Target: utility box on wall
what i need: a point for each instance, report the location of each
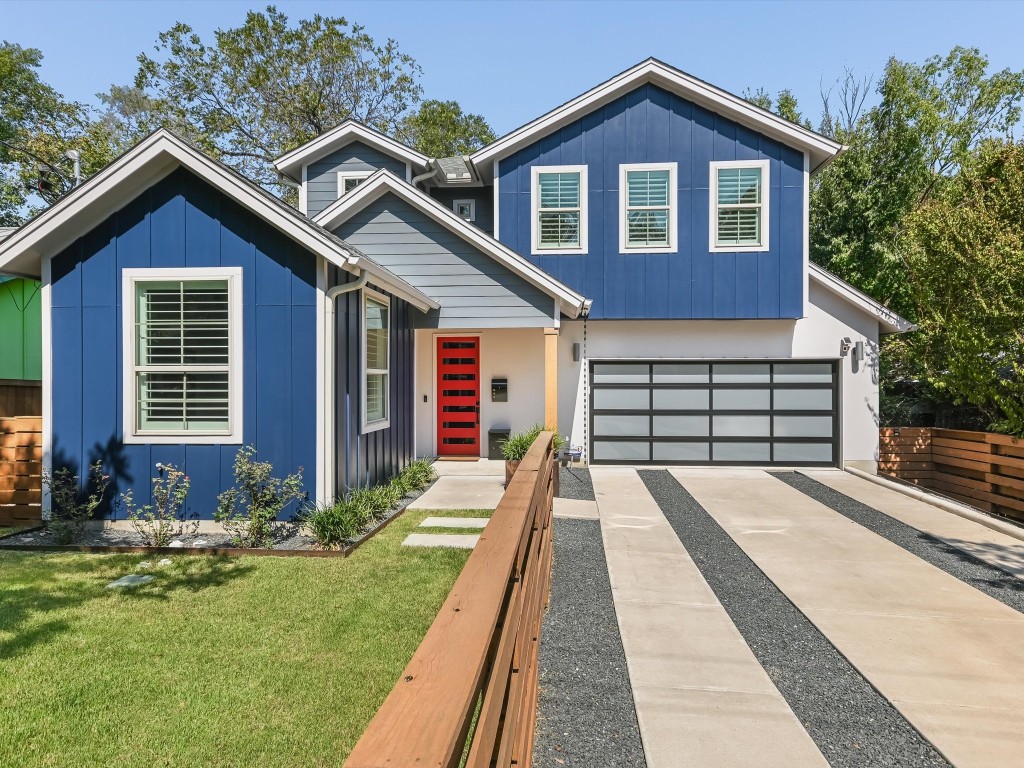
(495, 437)
(499, 390)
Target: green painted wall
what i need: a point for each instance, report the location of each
(21, 334)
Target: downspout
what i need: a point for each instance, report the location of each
(330, 388)
(423, 177)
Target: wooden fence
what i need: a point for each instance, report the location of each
(470, 691)
(21, 469)
(20, 398)
(982, 469)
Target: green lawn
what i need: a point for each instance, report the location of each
(219, 662)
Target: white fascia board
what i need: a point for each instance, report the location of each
(147, 163)
(383, 181)
(290, 163)
(821, 148)
(888, 319)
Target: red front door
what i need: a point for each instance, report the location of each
(458, 396)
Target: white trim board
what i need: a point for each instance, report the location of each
(886, 318)
(383, 181)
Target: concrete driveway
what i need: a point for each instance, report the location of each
(793, 619)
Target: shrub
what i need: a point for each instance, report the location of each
(70, 509)
(515, 448)
(418, 475)
(162, 520)
(249, 511)
(332, 524)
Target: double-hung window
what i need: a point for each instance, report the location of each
(739, 206)
(182, 355)
(558, 202)
(349, 180)
(376, 361)
(647, 208)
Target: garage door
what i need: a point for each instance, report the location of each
(714, 412)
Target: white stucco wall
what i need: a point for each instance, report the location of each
(514, 353)
(818, 335)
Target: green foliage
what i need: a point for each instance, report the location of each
(250, 510)
(965, 253)
(517, 445)
(442, 129)
(164, 519)
(71, 509)
(784, 104)
(333, 524)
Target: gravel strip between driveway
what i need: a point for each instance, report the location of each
(851, 722)
(585, 714)
(575, 484)
(988, 578)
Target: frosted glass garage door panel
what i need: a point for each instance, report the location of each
(622, 399)
(607, 450)
(803, 373)
(797, 452)
(743, 399)
(681, 426)
(741, 452)
(803, 426)
(607, 373)
(622, 426)
(742, 373)
(682, 373)
(681, 399)
(681, 452)
(743, 426)
(803, 399)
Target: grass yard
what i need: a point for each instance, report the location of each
(218, 662)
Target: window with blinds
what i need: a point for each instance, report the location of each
(183, 356)
(559, 208)
(647, 194)
(740, 197)
(376, 360)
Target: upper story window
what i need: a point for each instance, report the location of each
(739, 206)
(465, 209)
(182, 357)
(349, 180)
(376, 361)
(647, 208)
(558, 203)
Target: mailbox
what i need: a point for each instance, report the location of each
(499, 390)
(495, 438)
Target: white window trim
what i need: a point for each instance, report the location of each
(373, 426)
(673, 208)
(713, 245)
(129, 279)
(535, 172)
(343, 176)
(472, 208)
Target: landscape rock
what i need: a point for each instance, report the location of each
(177, 544)
(165, 561)
(132, 580)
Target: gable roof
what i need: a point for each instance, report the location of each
(151, 160)
(887, 319)
(821, 148)
(290, 163)
(383, 181)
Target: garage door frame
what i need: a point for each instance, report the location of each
(713, 386)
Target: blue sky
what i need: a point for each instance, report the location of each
(512, 61)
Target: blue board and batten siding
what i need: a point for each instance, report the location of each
(651, 125)
(365, 459)
(322, 175)
(183, 222)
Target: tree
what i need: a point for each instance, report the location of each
(966, 260)
(442, 129)
(784, 104)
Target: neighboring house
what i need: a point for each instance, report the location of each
(631, 266)
(20, 326)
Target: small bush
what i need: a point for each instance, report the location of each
(516, 447)
(332, 524)
(162, 520)
(249, 511)
(418, 475)
(69, 510)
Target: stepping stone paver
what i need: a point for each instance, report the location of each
(454, 522)
(455, 540)
(132, 580)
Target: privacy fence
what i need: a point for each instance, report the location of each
(983, 469)
(470, 692)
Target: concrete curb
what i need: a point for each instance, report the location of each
(964, 511)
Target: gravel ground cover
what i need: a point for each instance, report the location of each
(586, 715)
(575, 484)
(852, 724)
(993, 581)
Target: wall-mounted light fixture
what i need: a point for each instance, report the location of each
(576, 351)
(858, 352)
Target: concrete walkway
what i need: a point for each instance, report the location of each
(464, 485)
(701, 696)
(949, 657)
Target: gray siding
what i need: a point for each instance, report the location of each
(322, 176)
(474, 290)
(484, 197)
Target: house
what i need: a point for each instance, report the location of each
(631, 266)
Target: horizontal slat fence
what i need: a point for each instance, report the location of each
(983, 469)
(478, 660)
(21, 469)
